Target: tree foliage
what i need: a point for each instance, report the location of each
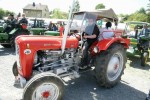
(148, 17)
(141, 10)
(148, 5)
(76, 6)
(100, 6)
(123, 17)
(139, 15)
(4, 13)
(56, 13)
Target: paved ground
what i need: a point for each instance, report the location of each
(134, 85)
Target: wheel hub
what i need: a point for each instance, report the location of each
(48, 91)
(115, 66)
(46, 94)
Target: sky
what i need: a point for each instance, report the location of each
(119, 6)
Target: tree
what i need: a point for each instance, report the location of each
(138, 17)
(142, 10)
(100, 6)
(148, 5)
(148, 15)
(56, 13)
(4, 13)
(76, 6)
(124, 17)
(8, 12)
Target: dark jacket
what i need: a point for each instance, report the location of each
(23, 21)
(145, 32)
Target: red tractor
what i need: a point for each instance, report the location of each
(43, 61)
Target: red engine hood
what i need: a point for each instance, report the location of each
(46, 42)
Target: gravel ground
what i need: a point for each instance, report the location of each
(134, 85)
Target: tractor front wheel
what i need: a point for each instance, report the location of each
(14, 69)
(44, 86)
(109, 65)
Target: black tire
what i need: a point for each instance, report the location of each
(144, 58)
(103, 69)
(36, 83)
(6, 45)
(14, 69)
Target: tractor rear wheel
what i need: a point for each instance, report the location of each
(44, 86)
(109, 65)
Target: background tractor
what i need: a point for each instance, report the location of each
(7, 39)
(139, 45)
(37, 27)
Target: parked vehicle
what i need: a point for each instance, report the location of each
(1, 22)
(1, 29)
(7, 40)
(37, 26)
(139, 45)
(1, 25)
(43, 61)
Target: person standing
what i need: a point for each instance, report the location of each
(52, 27)
(23, 19)
(61, 29)
(145, 31)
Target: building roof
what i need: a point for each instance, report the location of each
(36, 7)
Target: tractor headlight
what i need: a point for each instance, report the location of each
(36, 59)
(96, 49)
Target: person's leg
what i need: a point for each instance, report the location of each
(84, 60)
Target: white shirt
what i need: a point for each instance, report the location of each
(104, 35)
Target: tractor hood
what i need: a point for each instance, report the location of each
(46, 42)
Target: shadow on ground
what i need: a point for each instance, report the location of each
(6, 51)
(136, 62)
(86, 88)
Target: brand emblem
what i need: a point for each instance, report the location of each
(27, 51)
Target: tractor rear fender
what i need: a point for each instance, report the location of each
(106, 43)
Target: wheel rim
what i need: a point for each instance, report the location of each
(115, 67)
(46, 91)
